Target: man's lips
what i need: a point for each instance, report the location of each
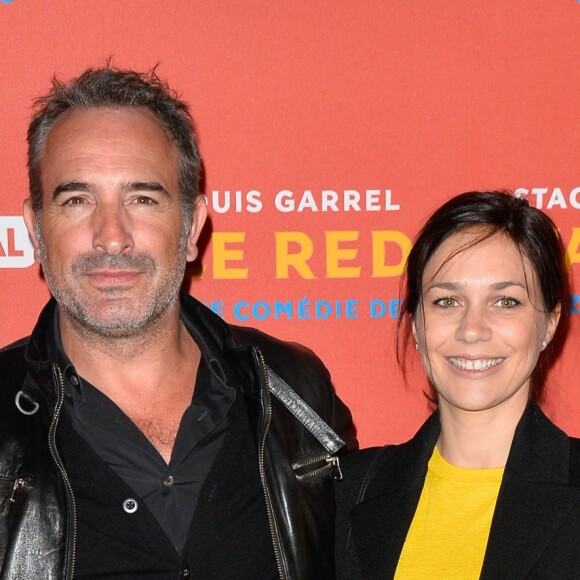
(113, 277)
(110, 270)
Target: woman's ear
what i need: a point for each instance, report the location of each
(552, 324)
(414, 330)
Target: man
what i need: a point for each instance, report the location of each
(140, 435)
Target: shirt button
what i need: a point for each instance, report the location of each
(184, 572)
(130, 505)
(168, 481)
(74, 380)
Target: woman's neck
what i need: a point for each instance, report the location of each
(480, 438)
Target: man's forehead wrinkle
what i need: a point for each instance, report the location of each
(115, 171)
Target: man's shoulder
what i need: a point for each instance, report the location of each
(13, 369)
(305, 374)
(286, 358)
(12, 355)
(294, 363)
(246, 335)
(227, 335)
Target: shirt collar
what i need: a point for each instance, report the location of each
(215, 360)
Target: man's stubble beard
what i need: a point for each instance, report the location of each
(164, 298)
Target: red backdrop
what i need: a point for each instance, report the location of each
(329, 131)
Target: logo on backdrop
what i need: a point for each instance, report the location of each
(308, 200)
(16, 250)
(551, 197)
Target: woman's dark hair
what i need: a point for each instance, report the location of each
(531, 230)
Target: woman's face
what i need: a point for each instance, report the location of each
(481, 324)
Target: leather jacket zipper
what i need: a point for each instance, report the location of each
(57, 460)
(19, 484)
(265, 425)
(318, 465)
(13, 486)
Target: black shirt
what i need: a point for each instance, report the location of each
(170, 491)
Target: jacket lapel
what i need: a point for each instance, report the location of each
(381, 521)
(534, 498)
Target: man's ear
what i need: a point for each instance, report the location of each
(30, 221)
(199, 217)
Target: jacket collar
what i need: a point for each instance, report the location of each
(42, 370)
(535, 496)
(232, 360)
(38, 347)
(212, 334)
(381, 521)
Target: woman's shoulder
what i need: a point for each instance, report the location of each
(358, 470)
(574, 461)
(362, 459)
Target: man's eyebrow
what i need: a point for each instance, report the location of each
(83, 186)
(146, 186)
(70, 186)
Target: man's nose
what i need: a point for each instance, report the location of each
(473, 325)
(112, 232)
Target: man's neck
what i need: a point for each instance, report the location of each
(151, 377)
(146, 358)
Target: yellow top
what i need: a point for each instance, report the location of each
(448, 534)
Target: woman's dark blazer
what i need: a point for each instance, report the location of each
(535, 531)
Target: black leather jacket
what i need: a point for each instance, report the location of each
(295, 449)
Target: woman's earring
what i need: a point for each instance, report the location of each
(416, 346)
(544, 344)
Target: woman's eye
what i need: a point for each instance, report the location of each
(507, 302)
(446, 302)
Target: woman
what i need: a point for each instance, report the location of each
(488, 487)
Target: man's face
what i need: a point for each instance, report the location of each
(111, 238)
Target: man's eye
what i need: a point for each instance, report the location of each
(74, 201)
(144, 200)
